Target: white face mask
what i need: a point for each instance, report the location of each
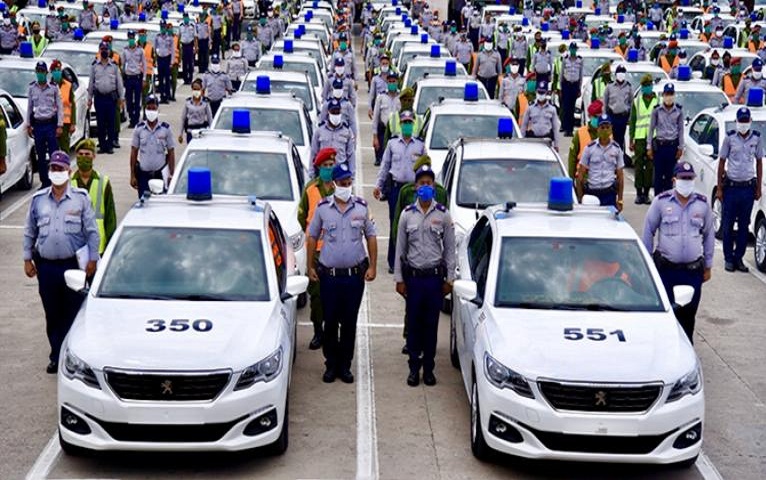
(714, 62)
(669, 99)
(215, 67)
(384, 68)
(196, 93)
(684, 187)
(6, 21)
(757, 75)
(719, 34)
(514, 69)
(487, 46)
(337, 93)
(620, 76)
(335, 119)
(152, 115)
(340, 70)
(343, 193)
(58, 178)
(743, 127)
(236, 54)
(542, 98)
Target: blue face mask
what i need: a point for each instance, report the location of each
(426, 193)
(325, 174)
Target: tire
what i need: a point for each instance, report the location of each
(447, 305)
(28, 180)
(302, 300)
(479, 446)
(279, 447)
(71, 450)
(688, 463)
(760, 244)
(454, 358)
(717, 207)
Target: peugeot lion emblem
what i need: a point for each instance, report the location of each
(601, 399)
(167, 387)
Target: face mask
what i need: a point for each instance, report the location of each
(743, 127)
(714, 62)
(407, 129)
(56, 75)
(531, 86)
(215, 67)
(236, 54)
(453, 29)
(335, 119)
(58, 178)
(682, 61)
(736, 69)
(514, 69)
(573, 52)
(719, 34)
(104, 54)
(646, 89)
(343, 46)
(325, 174)
(620, 77)
(542, 98)
(84, 164)
(604, 134)
(41, 77)
(426, 193)
(684, 187)
(669, 99)
(384, 68)
(36, 32)
(337, 93)
(343, 193)
(487, 46)
(757, 75)
(623, 41)
(594, 122)
(142, 38)
(196, 93)
(340, 70)
(392, 87)
(152, 115)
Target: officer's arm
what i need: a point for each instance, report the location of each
(582, 170)
(650, 133)
(401, 249)
(351, 152)
(30, 232)
(708, 238)
(632, 122)
(651, 222)
(110, 212)
(385, 166)
(680, 128)
(572, 159)
(303, 209)
(620, 182)
(120, 86)
(170, 157)
(59, 111)
(449, 247)
(556, 132)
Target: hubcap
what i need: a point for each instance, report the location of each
(760, 243)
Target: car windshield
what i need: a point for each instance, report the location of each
(757, 125)
(635, 77)
(118, 44)
(489, 182)
(418, 72)
(575, 273)
(80, 61)
(695, 102)
(186, 264)
(448, 128)
(429, 95)
(295, 67)
(300, 90)
(267, 120)
(16, 81)
(591, 64)
(265, 175)
(420, 53)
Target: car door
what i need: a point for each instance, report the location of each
(287, 308)
(18, 144)
(695, 134)
(707, 171)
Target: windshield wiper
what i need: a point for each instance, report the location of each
(204, 297)
(138, 296)
(591, 306)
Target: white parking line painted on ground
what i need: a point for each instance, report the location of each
(11, 227)
(15, 206)
(361, 324)
(706, 468)
(48, 457)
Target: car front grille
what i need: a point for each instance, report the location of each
(608, 444)
(158, 386)
(159, 433)
(600, 398)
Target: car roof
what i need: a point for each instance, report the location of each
(517, 148)
(599, 52)
(223, 212)
(220, 140)
(729, 113)
(444, 81)
(20, 63)
(297, 57)
(288, 75)
(90, 47)
(582, 222)
(735, 52)
(688, 86)
(452, 106)
(252, 100)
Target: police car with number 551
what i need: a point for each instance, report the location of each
(187, 337)
(567, 342)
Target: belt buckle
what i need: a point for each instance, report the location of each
(332, 271)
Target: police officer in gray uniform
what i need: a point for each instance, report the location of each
(106, 91)
(489, 66)
(336, 134)
(9, 37)
(134, 69)
(519, 48)
(603, 162)
(251, 47)
(348, 82)
(60, 221)
(571, 84)
(424, 272)
(665, 139)
(683, 223)
(163, 45)
(740, 172)
(196, 114)
(463, 51)
(347, 109)
(216, 84)
(187, 35)
(343, 223)
(151, 150)
(542, 63)
(236, 67)
(203, 43)
(45, 118)
(541, 119)
(88, 20)
(618, 98)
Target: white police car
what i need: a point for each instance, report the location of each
(592, 60)
(186, 339)
(433, 89)
(295, 62)
(19, 159)
(448, 120)
(412, 51)
(422, 67)
(312, 48)
(567, 343)
(297, 83)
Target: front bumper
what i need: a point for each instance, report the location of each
(534, 429)
(230, 422)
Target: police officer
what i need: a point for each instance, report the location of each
(134, 70)
(251, 47)
(379, 82)
(236, 67)
(339, 73)
(464, 51)
(540, 119)
(203, 42)
(45, 118)
(740, 172)
(216, 84)
(265, 34)
(68, 103)
(638, 129)
(60, 222)
(99, 188)
(319, 188)
(665, 139)
(488, 67)
(337, 134)
(9, 37)
(755, 79)
(683, 223)
(396, 171)
(347, 110)
(519, 49)
(583, 136)
(196, 114)
(603, 162)
(424, 272)
(163, 45)
(106, 91)
(342, 221)
(385, 105)
(512, 85)
(88, 20)
(571, 84)
(542, 62)
(187, 35)
(152, 149)
(52, 22)
(618, 97)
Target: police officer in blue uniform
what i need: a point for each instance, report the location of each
(740, 172)
(45, 118)
(106, 91)
(424, 272)
(60, 222)
(603, 162)
(343, 223)
(683, 253)
(152, 149)
(665, 139)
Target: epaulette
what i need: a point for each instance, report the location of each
(79, 190)
(665, 194)
(141, 125)
(699, 196)
(360, 201)
(164, 124)
(440, 207)
(412, 206)
(324, 201)
(731, 132)
(32, 82)
(321, 123)
(345, 124)
(756, 132)
(593, 142)
(42, 191)
(94, 62)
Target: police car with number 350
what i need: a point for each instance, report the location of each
(567, 342)
(186, 339)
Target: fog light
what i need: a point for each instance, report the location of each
(265, 422)
(74, 423)
(503, 430)
(689, 437)
(262, 423)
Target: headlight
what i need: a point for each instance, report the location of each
(297, 240)
(74, 368)
(689, 384)
(264, 371)
(503, 377)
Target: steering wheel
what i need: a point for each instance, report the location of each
(606, 284)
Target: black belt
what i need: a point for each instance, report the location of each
(665, 142)
(354, 271)
(601, 191)
(55, 261)
(747, 183)
(134, 75)
(662, 262)
(47, 121)
(197, 127)
(110, 94)
(412, 272)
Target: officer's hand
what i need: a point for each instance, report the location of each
(313, 275)
(122, 104)
(633, 146)
(59, 131)
(707, 274)
(375, 142)
(446, 289)
(376, 193)
(134, 182)
(758, 194)
(650, 154)
(619, 205)
(30, 131)
(29, 268)
(90, 269)
(719, 193)
(90, 104)
(369, 114)
(401, 289)
(181, 138)
(72, 128)
(3, 166)
(679, 152)
(370, 274)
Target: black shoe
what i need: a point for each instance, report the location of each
(429, 379)
(110, 151)
(728, 266)
(639, 200)
(346, 376)
(164, 102)
(116, 144)
(413, 379)
(390, 270)
(377, 163)
(52, 368)
(741, 267)
(102, 150)
(172, 98)
(316, 341)
(329, 376)
(405, 350)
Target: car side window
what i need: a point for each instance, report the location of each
(711, 136)
(698, 127)
(697, 63)
(71, 77)
(483, 251)
(298, 168)
(12, 113)
(277, 242)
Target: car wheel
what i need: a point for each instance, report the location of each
(302, 300)
(760, 244)
(71, 450)
(688, 463)
(447, 305)
(454, 358)
(280, 445)
(717, 215)
(479, 446)
(28, 179)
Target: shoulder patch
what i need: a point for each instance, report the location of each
(79, 190)
(345, 124)
(141, 124)
(360, 201)
(699, 196)
(592, 142)
(756, 133)
(321, 123)
(410, 207)
(42, 191)
(440, 207)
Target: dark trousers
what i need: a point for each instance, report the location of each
(569, 93)
(392, 197)
(664, 163)
(236, 27)
(674, 276)
(187, 57)
(215, 105)
(619, 124)
(736, 208)
(133, 86)
(543, 77)
(216, 48)
(381, 133)
(59, 302)
(490, 83)
(473, 37)
(163, 72)
(143, 179)
(341, 298)
(644, 168)
(235, 84)
(503, 54)
(106, 111)
(203, 54)
(607, 196)
(424, 301)
(45, 145)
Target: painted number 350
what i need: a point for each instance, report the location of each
(179, 325)
(595, 334)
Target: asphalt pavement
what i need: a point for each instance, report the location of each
(378, 427)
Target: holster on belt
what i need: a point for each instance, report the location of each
(663, 263)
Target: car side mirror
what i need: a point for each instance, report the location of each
(75, 280)
(706, 149)
(295, 285)
(465, 289)
(683, 295)
(590, 200)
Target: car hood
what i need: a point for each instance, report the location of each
(533, 343)
(114, 333)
